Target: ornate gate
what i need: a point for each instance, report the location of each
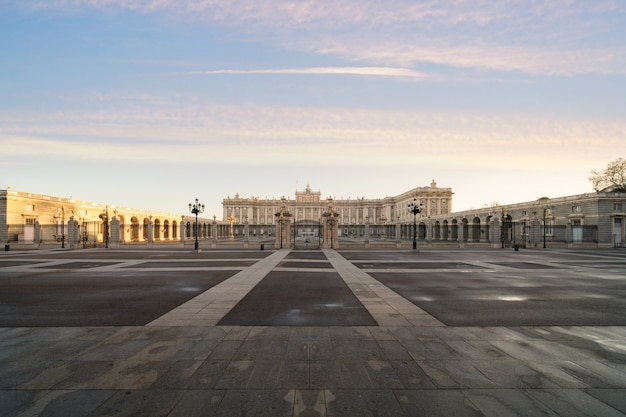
(308, 234)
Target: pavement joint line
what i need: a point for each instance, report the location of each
(287, 269)
(365, 287)
(235, 288)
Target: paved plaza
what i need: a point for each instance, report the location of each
(167, 331)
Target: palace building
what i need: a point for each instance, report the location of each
(309, 219)
(27, 218)
(381, 216)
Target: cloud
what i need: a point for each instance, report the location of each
(366, 71)
(539, 37)
(270, 135)
(522, 58)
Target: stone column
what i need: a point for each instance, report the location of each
(246, 233)
(535, 233)
(182, 232)
(115, 233)
(398, 241)
(367, 233)
(73, 233)
(37, 236)
(461, 234)
(214, 233)
(495, 233)
(150, 231)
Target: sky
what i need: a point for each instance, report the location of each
(153, 103)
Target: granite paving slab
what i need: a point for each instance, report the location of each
(405, 363)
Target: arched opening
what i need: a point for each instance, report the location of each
(134, 229)
(166, 229)
(157, 229)
(476, 229)
(421, 231)
(437, 231)
(174, 230)
(446, 232)
(455, 230)
(145, 228)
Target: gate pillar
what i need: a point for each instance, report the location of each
(331, 230)
(115, 232)
(495, 233)
(283, 229)
(73, 232)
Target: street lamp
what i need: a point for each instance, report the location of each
(105, 222)
(280, 223)
(196, 209)
(415, 209)
(545, 215)
(331, 225)
(281, 218)
(62, 227)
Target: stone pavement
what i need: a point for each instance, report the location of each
(422, 355)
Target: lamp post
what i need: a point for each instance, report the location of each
(105, 220)
(503, 228)
(196, 209)
(281, 218)
(280, 223)
(62, 227)
(331, 225)
(330, 222)
(545, 215)
(415, 209)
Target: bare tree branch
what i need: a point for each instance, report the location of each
(612, 178)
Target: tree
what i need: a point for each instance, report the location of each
(612, 178)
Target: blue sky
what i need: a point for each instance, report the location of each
(150, 104)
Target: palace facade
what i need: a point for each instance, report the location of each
(27, 218)
(593, 219)
(381, 216)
